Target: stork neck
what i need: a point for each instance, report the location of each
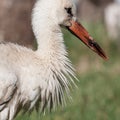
(47, 32)
(49, 39)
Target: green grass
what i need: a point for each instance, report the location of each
(98, 93)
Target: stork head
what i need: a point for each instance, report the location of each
(63, 13)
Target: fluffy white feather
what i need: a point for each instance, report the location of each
(29, 78)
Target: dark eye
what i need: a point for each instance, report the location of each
(69, 11)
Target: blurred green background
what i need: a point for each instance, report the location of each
(98, 93)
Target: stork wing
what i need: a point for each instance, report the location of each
(7, 90)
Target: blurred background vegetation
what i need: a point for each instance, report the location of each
(98, 93)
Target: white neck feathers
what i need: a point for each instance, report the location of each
(51, 47)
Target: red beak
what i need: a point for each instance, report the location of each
(79, 31)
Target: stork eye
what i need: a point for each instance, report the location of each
(69, 11)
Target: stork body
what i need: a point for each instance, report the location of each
(29, 78)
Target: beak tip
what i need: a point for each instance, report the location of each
(106, 58)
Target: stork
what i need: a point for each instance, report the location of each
(112, 20)
(44, 76)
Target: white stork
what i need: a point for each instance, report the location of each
(29, 77)
(112, 20)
